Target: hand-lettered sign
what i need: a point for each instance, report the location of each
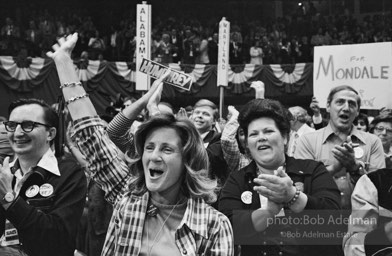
(365, 67)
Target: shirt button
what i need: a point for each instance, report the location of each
(280, 253)
(264, 253)
(264, 243)
(280, 242)
(184, 252)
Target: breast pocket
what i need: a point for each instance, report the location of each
(42, 203)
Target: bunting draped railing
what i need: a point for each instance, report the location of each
(37, 77)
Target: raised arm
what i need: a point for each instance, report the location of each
(118, 128)
(79, 105)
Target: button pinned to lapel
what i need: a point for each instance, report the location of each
(246, 197)
(46, 190)
(32, 191)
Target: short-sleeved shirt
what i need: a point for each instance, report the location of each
(318, 146)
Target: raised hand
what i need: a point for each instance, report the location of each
(64, 46)
(5, 177)
(155, 98)
(233, 113)
(182, 113)
(259, 89)
(315, 106)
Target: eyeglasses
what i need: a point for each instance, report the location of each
(27, 126)
(381, 129)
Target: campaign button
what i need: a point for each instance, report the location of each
(246, 197)
(358, 152)
(32, 191)
(46, 190)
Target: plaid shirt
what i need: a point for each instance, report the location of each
(202, 231)
(231, 152)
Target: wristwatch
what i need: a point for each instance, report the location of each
(9, 197)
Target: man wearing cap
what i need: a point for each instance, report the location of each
(41, 197)
(346, 152)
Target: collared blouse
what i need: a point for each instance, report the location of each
(202, 231)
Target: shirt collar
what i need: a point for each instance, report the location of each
(354, 132)
(48, 162)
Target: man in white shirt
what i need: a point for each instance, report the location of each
(298, 127)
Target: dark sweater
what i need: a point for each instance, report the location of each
(48, 225)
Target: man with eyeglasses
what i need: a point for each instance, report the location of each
(41, 196)
(346, 152)
(382, 127)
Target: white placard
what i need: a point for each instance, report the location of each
(223, 52)
(365, 67)
(143, 43)
(176, 78)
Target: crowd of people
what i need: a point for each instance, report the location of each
(270, 180)
(285, 40)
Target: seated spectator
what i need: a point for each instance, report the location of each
(370, 224)
(160, 199)
(382, 127)
(274, 184)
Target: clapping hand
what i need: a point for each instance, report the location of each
(156, 90)
(277, 187)
(345, 154)
(182, 113)
(5, 177)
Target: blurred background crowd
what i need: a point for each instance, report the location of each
(189, 35)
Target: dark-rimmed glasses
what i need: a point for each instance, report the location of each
(380, 129)
(27, 126)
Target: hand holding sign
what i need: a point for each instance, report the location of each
(156, 70)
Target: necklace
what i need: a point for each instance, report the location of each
(149, 249)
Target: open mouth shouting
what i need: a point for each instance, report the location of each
(344, 118)
(155, 173)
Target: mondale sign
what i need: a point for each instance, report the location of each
(366, 67)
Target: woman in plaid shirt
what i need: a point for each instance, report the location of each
(160, 200)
